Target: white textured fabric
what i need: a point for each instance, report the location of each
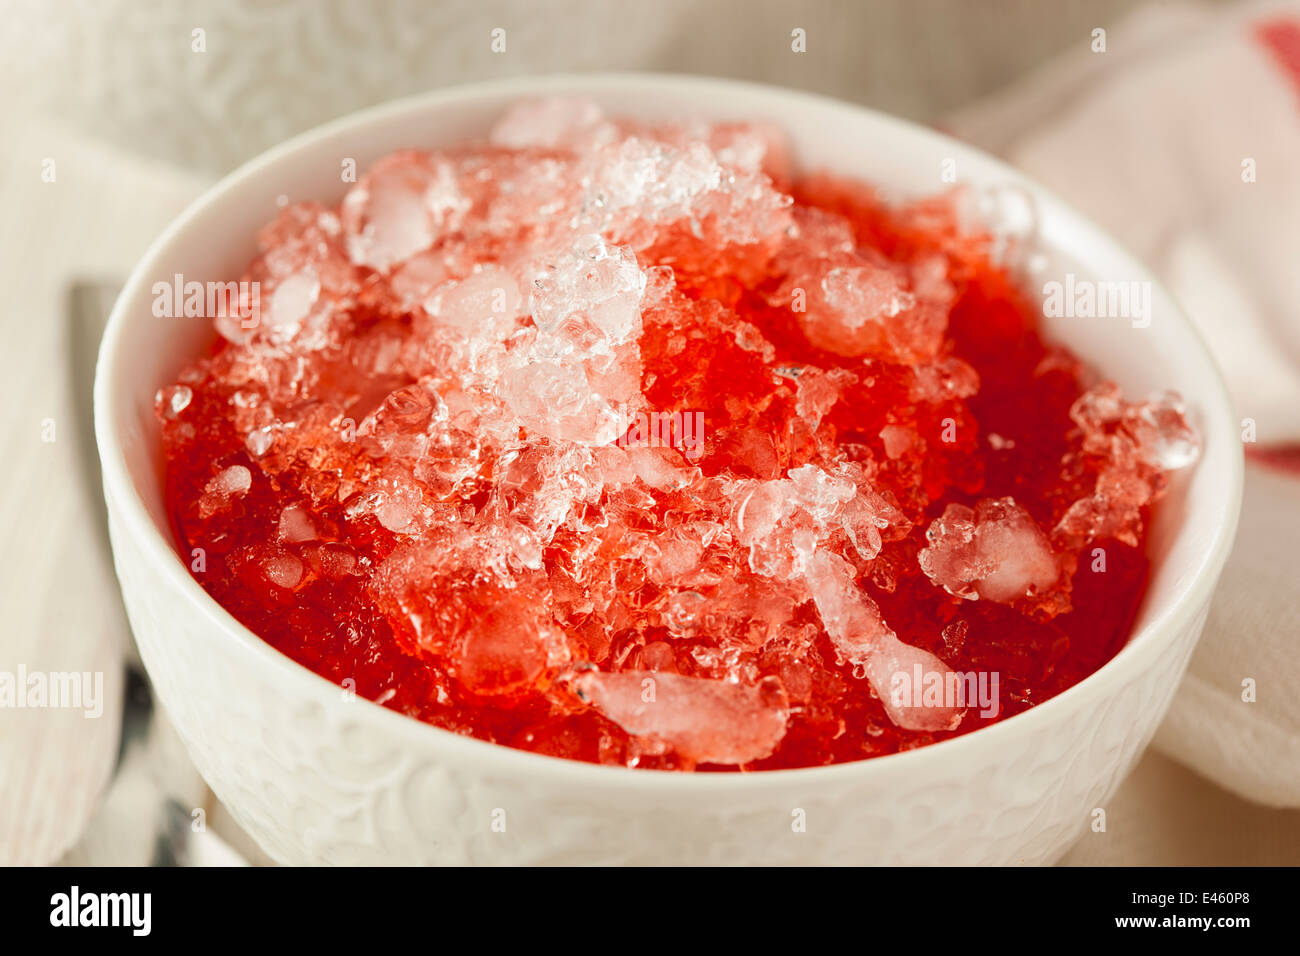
(1149, 138)
(90, 217)
(1253, 632)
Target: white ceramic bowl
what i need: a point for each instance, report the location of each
(318, 778)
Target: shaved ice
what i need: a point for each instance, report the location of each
(630, 444)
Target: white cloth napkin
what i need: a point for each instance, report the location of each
(1156, 139)
(89, 217)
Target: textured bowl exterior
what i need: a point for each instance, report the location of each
(319, 776)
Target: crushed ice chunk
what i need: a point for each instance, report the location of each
(753, 147)
(223, 488)
(640, 183)
(1164, 438)
(1156, 430)
(656, 180)
(818, 392)
(661, 468)
(943, 380)
(259, 441)
(709, 721)
(1008, 213)
(296, 525)
(995, 552)
(576, 379)
(867, 310)
(1137, 444)
(484, 302)
(597, 281)
(282, 568)
(172, 400)
(782, 521)
(394, 501)
(330, 560)
(557, 401)
(402, 204)
(854, 623)
(864, 295)
(498, 655)
(902, 675)
(292, 300)
(898, 440)
(849, 615)
(505, 647)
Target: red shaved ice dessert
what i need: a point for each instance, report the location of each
(632, 445)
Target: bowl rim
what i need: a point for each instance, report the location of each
(128, 508)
